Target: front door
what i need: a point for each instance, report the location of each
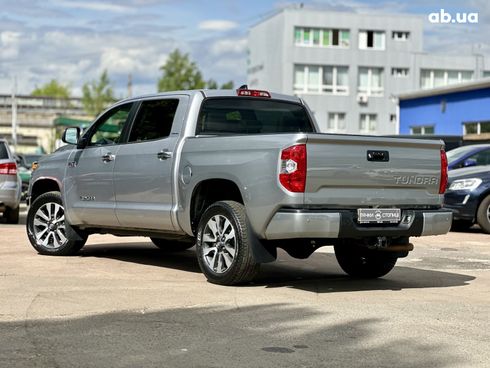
(89, 185)
(143, 169)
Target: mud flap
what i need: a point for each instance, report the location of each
(260, 251)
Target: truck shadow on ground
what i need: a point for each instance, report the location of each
(220, 336)
(320, 273)
(475, 229)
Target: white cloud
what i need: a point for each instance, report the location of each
(94, 6)
(229, 46)
(9, 45)
(137, 60)
(217, 25)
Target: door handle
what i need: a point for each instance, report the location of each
(164, 155)
(108, 157)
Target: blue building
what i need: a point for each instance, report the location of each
(462, 110)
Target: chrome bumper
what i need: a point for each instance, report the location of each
(292, 224)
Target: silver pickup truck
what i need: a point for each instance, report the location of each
(238, 174)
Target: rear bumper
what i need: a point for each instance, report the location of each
(290, 224)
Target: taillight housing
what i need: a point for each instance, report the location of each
(9, 168)
(292, 175)
(443, 180)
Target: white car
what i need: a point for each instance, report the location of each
(10, 185)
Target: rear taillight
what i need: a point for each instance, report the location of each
(293, 168)
(443, 180)
(8, 168)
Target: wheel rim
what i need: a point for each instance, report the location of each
(49, 225)
(219, 244)
(488, 213)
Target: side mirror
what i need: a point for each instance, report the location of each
(71, 135)
(469, 162)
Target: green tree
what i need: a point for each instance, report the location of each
(212, 84)
(97, 94)
(52, 89)
(228, 85)
(180, 73)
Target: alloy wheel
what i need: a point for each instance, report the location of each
(49, 225)
(219, 244)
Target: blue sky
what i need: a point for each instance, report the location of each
(74, 40)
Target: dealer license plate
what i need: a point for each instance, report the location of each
(378, 215)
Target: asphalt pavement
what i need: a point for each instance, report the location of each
(122, 302)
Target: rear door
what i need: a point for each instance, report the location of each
(143, 170)
(89, 186)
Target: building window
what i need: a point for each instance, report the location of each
(321, 37)
(476, 127)
(399, 72)
(393, 118)
(400, 35)
(486, 74)
(431, 78)
(321, 79)
(367, 123)
(372, 40)
(371, 81)
(336, 122)
(422, 129)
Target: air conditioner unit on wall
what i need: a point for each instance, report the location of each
(362, 98)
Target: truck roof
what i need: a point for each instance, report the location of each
(211, 93)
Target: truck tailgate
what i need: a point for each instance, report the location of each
(399, 172)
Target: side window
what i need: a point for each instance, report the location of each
(110, 127)
(154, 120)
(482, 157)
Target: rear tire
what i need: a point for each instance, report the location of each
(224, 244)
(170, 245)
(361, 262)
(47, 229)
(12, 215)
(483, 214)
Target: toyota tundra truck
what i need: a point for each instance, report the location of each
(238, 174)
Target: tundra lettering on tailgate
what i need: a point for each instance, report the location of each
(416, 179)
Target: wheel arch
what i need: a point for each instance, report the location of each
(44, 185)
(209, 191)
(483, 195)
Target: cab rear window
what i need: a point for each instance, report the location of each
(224, 116)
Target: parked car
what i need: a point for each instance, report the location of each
(10, 184)
(468, 196)
(238, 174)
(467, 156)
(24, 166)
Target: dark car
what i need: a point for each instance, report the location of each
(467, 156)
(468, 196)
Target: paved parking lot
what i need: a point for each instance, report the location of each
(124, 303)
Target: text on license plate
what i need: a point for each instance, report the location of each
(378, 215)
